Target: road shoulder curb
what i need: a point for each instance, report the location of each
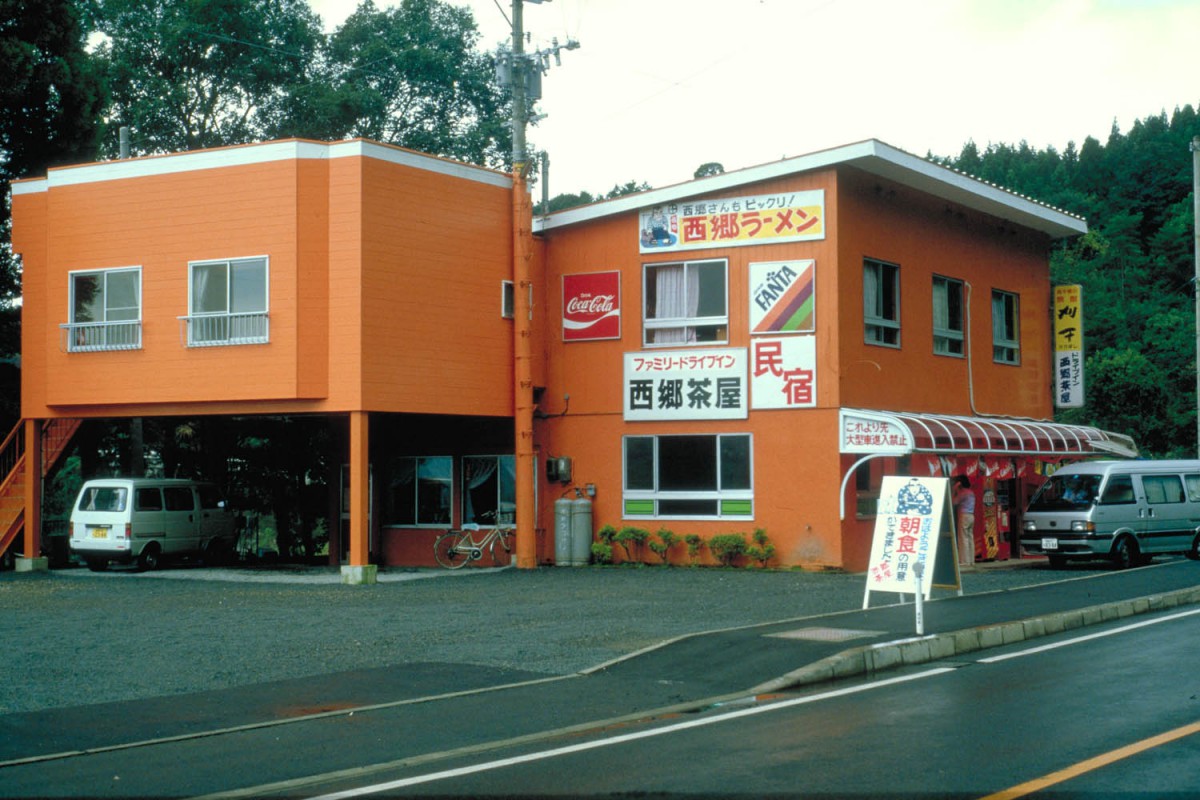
(873, 658)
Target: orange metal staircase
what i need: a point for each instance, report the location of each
(56, 435)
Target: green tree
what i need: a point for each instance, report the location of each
(50, 99)
(1135, 265)
(203, 73)
(412, 75)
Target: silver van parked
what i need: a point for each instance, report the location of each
(146, 520)
(1128, 511)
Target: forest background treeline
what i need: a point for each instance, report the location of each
(208, 73)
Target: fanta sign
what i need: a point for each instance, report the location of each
(591, 306)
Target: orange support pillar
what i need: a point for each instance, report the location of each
(33, 495)
(522, 372)
(358, 570)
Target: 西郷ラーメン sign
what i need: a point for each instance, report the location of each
(591, 306)
(686, 384)
(734, 221)
(782, 297)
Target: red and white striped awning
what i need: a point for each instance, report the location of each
(901, 432)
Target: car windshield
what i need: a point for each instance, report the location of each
(1066, 493)
(103, 498)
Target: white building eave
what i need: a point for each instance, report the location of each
(873, 157)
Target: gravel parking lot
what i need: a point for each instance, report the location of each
(73, 637)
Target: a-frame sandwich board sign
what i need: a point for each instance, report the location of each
(914, 524)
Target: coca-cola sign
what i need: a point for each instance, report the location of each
(591, 306)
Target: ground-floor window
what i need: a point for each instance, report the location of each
(420, 491)
(701, 476)
(489, 486)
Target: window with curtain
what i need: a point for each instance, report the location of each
(700, 476)
(685, 303)
(106, 310)
(881, 302)
(1006, 334)
(228, 302)
(489, 489)
(419, 491)
(947, 316)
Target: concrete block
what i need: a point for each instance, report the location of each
(1034, 628)
(990, 637)
(966, 641)
(359, 575)
(1013, 632)
(22, 564)
(852, 662)
(915, 652)
(886, 657)
(1053, 624)
(942, 647)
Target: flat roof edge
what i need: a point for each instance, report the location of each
(871, 156)
(257, 153)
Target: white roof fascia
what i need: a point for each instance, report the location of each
(871, 156)
(243, 155)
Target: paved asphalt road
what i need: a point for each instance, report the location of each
(111, 658)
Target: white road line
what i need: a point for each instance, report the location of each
(1079, 639)
(628, 737)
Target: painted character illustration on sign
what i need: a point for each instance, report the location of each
(656, 230)
(914, 497)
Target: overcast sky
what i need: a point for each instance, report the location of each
(659, 87)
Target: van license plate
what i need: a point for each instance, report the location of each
(99, 533)
(1049, 544)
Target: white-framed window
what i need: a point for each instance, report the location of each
(688, 476)
(106, 310)
(227, 302)
(685, 303)
(489, 489)
(881, 302)
(1006, 332)
(420, 491)
(947, 316)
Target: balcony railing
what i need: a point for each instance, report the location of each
(93, 337)
(218, 330)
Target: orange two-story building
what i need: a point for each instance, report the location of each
(748, 351)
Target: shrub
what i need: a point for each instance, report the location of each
(762, 550)
(727, 547)
(601, 553)
(667, 540)
(630, 539)
(694, 543)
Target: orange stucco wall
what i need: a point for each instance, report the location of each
(882, 220)
(384, 289)
(797, 467)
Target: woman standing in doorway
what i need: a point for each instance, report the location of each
(964, 505)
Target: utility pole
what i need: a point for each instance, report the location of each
(1195, 148)
(523, 74)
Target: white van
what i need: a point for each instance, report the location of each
(147, 519)
(1128, 511)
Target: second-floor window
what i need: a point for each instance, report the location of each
(106, 310)
(227, 302)
(947, 316)
(1006, 333)
(685, 303)
(881, 303)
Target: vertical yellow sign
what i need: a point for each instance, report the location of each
(1068, 346)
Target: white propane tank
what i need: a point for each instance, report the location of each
(562, 531)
